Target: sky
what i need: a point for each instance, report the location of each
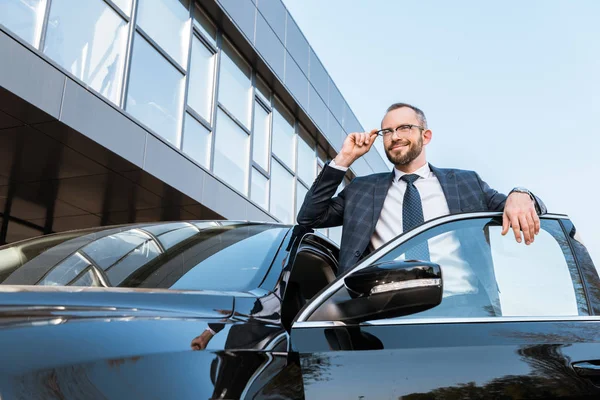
(510, 89)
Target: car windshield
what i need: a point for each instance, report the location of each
(216, 255)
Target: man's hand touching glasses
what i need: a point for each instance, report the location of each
(355, 146)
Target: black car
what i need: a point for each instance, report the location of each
(224, 309)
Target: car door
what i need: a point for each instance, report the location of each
(515, 321)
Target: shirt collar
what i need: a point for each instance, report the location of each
(423, 172)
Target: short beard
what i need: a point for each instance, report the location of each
(413, 152)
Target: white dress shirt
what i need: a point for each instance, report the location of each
(443, 248)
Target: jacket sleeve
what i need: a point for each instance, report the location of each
(495, 200)
(320, 209)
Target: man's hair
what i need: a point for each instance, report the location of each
(418, 111)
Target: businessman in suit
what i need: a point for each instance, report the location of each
(376, 208)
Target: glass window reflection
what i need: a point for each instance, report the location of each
(202, 69)
(306, 157)
(175, 237)
(24, 18)
(124, 5)
(139, 257)
(235, 86)
(196, 141)
(106, 251)
(66, 271)
(260, 136)
(217, 255)
(232, 152)
(283, 135)
(260, 189)
(282, 193)
(301, 191)
(159, 229)
(167, 23)
(88, 39)
(205, 25)
(155, 94)
(242, 254)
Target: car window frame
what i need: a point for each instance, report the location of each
(302, 319)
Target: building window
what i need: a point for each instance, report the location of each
(232, 152)
(155, 94)
(306, 157)
(201, 80)
(167, 23)
(282, 193)
(260, 189)
(25, 18)
(263, 91)
(204, 25)
(301, 191)
(260, 136)
(235, 86)
(196, 141)
(89, 40)
(124, 5)
(283, 135)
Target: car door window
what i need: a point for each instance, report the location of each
(486, 274)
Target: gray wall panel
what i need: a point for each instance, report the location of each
(317, 109)
(275, 13)
(243, 14)
(335, 133)
(256, 214)
(223, 200)
(269, 46)
(318, 76)
(97, 120)
(170, 166)
(296, 81)
(31, 78)
(297, 44)
(336, 102)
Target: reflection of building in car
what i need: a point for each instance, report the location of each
(182, 255)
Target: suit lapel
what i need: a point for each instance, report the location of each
(379, 194)
(447, 180)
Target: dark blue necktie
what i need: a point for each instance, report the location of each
(412, 215)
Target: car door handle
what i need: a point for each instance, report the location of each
(586, 368)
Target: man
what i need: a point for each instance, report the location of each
(376, 208)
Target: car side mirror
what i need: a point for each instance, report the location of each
(392, 289)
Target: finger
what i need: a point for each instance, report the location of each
(531, 227)
(505, 224)
(525, 228)
(516, 228)
(361, 139)
(536, 221)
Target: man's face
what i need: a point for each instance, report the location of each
(402, 148)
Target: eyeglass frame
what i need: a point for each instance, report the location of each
(389, 131)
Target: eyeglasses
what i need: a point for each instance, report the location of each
(405, 128)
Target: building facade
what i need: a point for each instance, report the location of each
(117, 111)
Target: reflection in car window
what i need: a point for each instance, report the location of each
(245, 249)
(191, 256)
(487, 274)
(141, 255)
(159, 229)
(106, 251)
(172, 238)
(66, 271)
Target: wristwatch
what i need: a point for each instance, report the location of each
(523, 190)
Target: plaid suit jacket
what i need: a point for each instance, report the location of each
(359, 205)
